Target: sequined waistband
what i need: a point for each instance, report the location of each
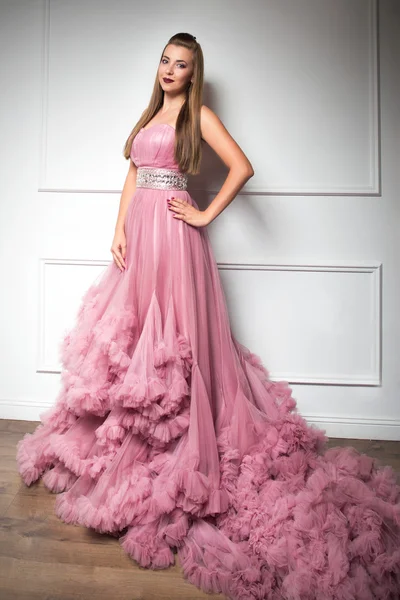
(162, 179)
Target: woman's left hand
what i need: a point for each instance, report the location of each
(187, 212)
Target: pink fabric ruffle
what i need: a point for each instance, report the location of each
(279, 518)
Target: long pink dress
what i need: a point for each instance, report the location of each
(169, 434)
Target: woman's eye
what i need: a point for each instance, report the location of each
(164, 60)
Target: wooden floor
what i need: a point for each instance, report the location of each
(42, 558)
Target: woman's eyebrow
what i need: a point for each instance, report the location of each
(178, 60)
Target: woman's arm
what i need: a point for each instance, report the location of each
(240, 169)
(126, 196)
(118, 246)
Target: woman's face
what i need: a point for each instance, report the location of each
(176, 65)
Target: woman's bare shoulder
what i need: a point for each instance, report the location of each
(207, 116)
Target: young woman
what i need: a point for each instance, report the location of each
(167, 432)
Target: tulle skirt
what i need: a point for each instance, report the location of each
(169, 434)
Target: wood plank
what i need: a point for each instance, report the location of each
(75, 581)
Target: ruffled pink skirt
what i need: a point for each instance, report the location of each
(169, 434)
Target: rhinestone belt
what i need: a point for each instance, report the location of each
(161, 179)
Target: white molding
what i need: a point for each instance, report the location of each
(372, 428)
(375, 106)
(373, 189)
(375, 270)
(371, 267)
(45, 97)
(41, 366)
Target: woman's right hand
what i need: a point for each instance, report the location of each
(118, 249)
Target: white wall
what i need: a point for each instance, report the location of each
(307, 252)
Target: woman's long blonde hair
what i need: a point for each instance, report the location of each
(188, 150)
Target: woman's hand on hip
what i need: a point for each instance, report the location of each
(187, 212)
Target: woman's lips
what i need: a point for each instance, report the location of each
(167, 80)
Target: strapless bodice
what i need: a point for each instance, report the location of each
(154, 147)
